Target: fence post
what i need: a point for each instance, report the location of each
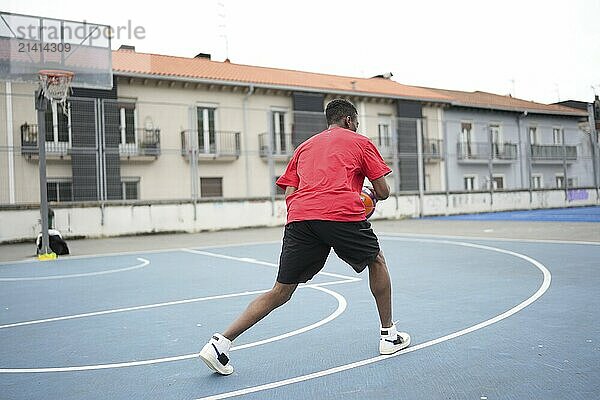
(446, 162)
(595, 153)
(564, 153)
(10, 143)
(192, 142)
(420, 163)
(41, 106)
(491, 164)
(395, 159)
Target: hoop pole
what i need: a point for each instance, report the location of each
(41, 107)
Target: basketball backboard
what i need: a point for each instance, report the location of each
(29, 44)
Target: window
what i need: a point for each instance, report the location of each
(560, 181)
(572, 182)
(128, 123)
(384, 132)
(497, 141)
(498, 182)
(537, 181)
(130, 188)
(60, 190)
(557, 136)
(469, 181)
(280, 145)
(466, 139)
(533, 135)
(206, 130)
(58, 128)
(211, 187)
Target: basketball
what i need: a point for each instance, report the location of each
(369, 200)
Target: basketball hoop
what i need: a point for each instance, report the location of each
(55, 86)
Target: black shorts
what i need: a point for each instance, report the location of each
(306, 245)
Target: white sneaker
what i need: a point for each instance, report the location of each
(215, 354)
(392, 341)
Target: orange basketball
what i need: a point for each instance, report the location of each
(369, 200)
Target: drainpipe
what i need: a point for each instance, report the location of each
(245, 138)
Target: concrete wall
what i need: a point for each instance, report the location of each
(22, 223)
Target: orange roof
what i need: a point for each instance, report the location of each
(131, 63)
(498, 102)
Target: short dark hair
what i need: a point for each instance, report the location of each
(338, 109)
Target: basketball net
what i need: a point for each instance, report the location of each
(55, 86)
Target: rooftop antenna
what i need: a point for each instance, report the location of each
(513, 87)
(222, 14)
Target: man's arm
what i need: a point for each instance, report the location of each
(289, 190)
(382, 189)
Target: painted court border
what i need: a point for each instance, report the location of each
(535, 296)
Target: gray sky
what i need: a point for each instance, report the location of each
(537, 50)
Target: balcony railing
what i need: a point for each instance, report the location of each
(554, 152)
(214, 145)
(30, 147)
(147, 144)
(384, 145)
(432, 149)
(482, 151)
(281, 147)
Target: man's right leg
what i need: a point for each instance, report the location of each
(379, 281)
(215, 352)
(260, 308)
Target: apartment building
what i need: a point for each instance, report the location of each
(175, 128)
(500, 142)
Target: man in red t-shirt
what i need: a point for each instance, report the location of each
(322, 183)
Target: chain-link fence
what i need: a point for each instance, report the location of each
(106, 150)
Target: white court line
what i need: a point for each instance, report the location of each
(136, 308)
(426, 235)
(542, 289)
(268, 264)
(143, 263)
(127, 253)
(342, 303)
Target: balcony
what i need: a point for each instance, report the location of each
(432, 150)
(384, 145)
(145, 147)
(551, 154)
(30, 148)
(211, 146)
(281, 148)
(479, 152)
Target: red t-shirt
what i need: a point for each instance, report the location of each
(329, 170)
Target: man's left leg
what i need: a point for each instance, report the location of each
(391, 340)
(215, 352)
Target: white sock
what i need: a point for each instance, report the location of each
(223, 344)
(390, 332)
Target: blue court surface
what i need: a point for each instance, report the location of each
(489, 319)
(571, 214)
